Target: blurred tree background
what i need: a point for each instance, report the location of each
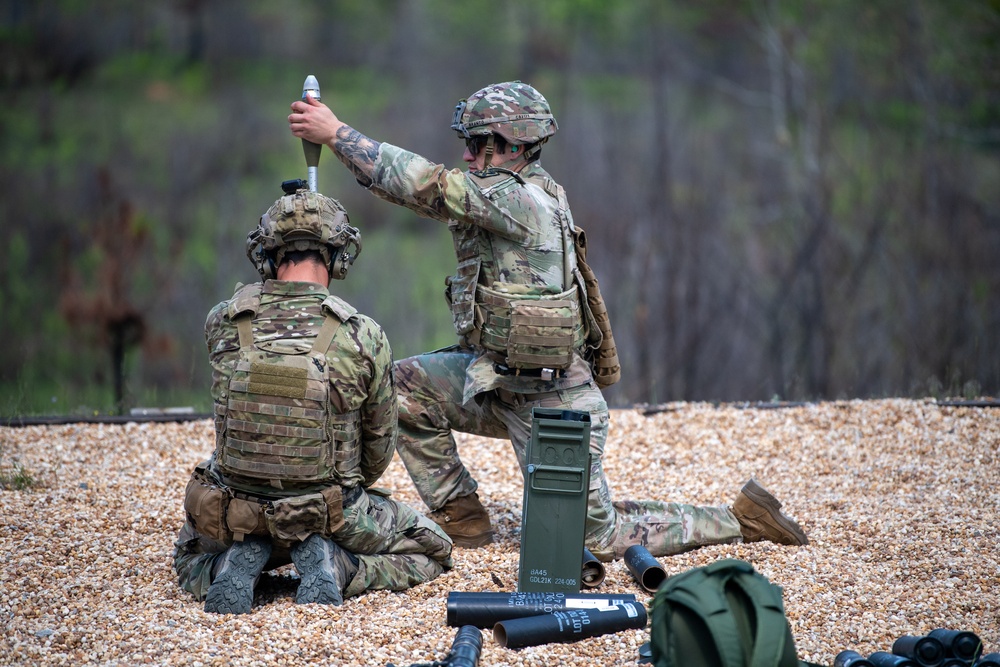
(790, 199)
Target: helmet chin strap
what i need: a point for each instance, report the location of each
(511, 166)
(530, 154)
(489, 152)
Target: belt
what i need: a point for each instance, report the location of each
(543, 373)
(517, 398)
(349, 495)
(260, 500)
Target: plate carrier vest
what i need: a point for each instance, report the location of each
(533, 326)
(278, 423)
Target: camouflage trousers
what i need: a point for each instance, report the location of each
(430, 388)
(396, 546)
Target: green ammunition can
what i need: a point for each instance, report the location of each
(554, 509)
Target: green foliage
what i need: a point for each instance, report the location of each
(15, 476)
(135, 70)
(407, 301)
(848, 251)
(616, 92)
(15, 264)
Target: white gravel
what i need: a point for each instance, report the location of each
(900, 498)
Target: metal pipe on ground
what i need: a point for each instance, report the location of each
(485, 609)
(569, 626)
(646, 569)
(593, 572)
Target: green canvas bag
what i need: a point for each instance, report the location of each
(722, 615)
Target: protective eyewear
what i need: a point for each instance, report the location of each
(475, 144)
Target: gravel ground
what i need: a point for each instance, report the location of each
(900, 500)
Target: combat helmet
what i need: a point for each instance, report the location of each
(304, 220)
(512, 110)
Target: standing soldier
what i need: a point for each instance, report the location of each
(305, 425)
(528, 337)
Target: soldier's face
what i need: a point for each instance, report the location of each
(475, 155)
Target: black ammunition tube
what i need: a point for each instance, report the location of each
(955, 662)
(927, 651)
(886, 659)
(466, 648)
(646, 569)
(593, 573)
(959, 644)
(569, 626)
(989, 660)
(485, 609)
(851, 659)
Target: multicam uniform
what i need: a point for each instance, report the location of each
(396, 547)
(507, 229)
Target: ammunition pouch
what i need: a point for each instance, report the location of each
(205, 503)
(224, 514)
(534, 327)
(295, 518)
(460, 292)
(245, 517)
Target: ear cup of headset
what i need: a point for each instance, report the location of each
(341, 264)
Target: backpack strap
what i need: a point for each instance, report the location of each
(244, 328)
(705, 596)
(337, 312)
(325, 335)
(242, 308)
(772, 626)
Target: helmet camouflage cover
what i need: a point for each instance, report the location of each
(304, 220)
(513, 110)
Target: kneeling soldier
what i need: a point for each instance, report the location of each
(305, 421)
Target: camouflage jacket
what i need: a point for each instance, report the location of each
(512, 224)
(360, 363)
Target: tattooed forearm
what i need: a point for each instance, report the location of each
(357, 152)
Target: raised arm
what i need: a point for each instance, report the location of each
(312, 120)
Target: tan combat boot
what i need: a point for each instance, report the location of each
(760, 517)
(465, 520)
